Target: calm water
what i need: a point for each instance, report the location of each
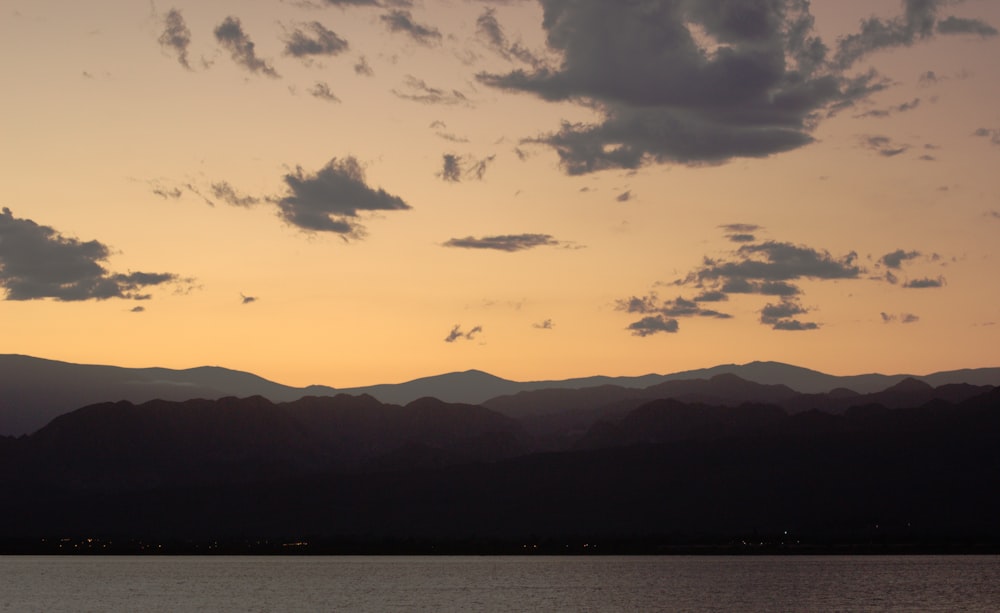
(716, 583)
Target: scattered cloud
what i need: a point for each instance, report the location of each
(925, 282)
(420, 91)
(697, 82)
(137, 309)
(624, 196)
(781, 316)
(176, 36)
(322, 91)
(331, 199)
(228, 194)
(895, 259)
(398, 20)
(244, 299)
(230, 35)
(883, 145)
(544, 325)
(892, 110)
(455, 167)
(903, 318)
(38, 262)
(505, 242)
(991, 133)
(362, 68)
(488, 30)
(647, 326)
(312, 39)
(457, 334)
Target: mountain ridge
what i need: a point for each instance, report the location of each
(35, 390)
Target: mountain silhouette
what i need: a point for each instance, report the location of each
(33, 391)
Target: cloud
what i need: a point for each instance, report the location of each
(176, 36)
(331, 199)
(398, 20)
(925, 282)
(452, 170)
(322, 91)
(362, 68)
(230, 35)
(895, 259)
(892, 110)
(959, 25)
(244, 299)
(883, 145)
(677, 307)
(624, 196)
(544, 325)
(697, 82)
(38, 262)
(780, 316)
(488, 30)
(137, 309)
(505, 242)
(991, 133)
(457, 334)
(452, 167)
(228, 194)
(314, 39)
(647, 326)
(904, 318)
(421, 92)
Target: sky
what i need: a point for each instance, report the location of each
(351, 192)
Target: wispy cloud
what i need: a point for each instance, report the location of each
(505, 242)
(176, 36)
(230, 35)
(401, 21)
(311, 39)
(457, 334)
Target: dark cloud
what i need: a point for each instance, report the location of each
(38, 262)
(398, 20)
(331, 199)
(421, 92)
(677, 307)
(362, 68)
(230, 35)
(505, 242)
(895, 259)
(176, 36)
(742, 238)
(697, 82)
(244, 299)
(314, 39)
(624, 196)
(924, 283)
(781, 316)
(322, 91)
(647, 326)
(908, 318)
(776, 261)
(544, 325)
(929, 78)
(883, 145)
(959, 25)
(457, 334)
(228, 194)
(137, 309)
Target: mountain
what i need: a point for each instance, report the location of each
(33, 391)
(668, 473)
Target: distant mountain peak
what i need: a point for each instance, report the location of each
(910, 384)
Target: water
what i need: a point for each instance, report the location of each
(395, 583)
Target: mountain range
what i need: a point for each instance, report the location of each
(33, 391)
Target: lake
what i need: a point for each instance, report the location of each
(499, 583)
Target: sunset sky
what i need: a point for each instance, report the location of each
(350, 192)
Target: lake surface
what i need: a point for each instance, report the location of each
(488, 583)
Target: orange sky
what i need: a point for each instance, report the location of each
(619, 189)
